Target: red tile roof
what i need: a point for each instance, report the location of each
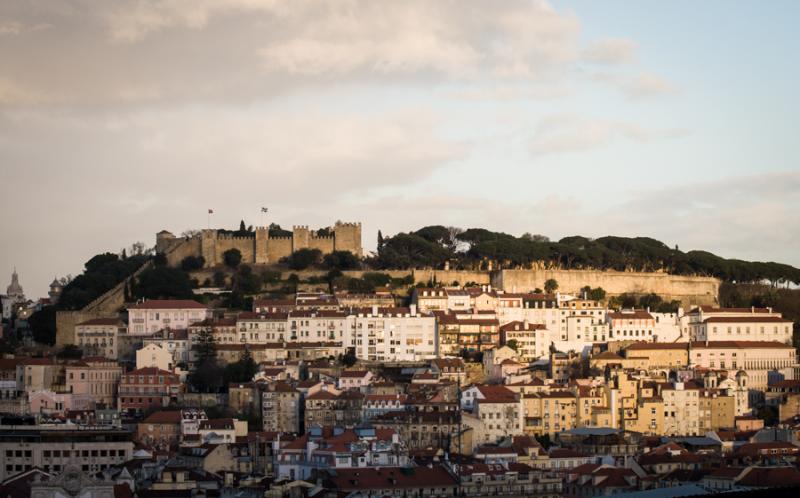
(740, 345)
(746, 319)
(100, 321)
(164, 417)
(391, 478)
(168, 304)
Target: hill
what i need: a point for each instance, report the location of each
(474, 248)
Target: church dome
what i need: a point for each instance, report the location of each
(15, 289)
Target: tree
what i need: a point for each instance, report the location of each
(219, 279)
(595, 294)
(207, 375)
(242, 370)
(70, 351)
(340, 260)
(246, 282)
(303, 258)
(163, 282)
(512, 343)
(43, 325)
(550, 285)
(232, 257)
(349, 358)
(192, 263)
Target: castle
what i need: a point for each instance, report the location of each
(259, 248)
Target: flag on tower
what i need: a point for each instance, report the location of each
(210, 211)
(263, 210)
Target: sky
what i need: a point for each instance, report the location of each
(673, 120)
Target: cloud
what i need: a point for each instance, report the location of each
(696, 215)
(568, 133)
(610, 51)
(132, 52)
(647, 85)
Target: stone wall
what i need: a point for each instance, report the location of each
(106, 306)
(447, 277)
(278, 248)
(347, 237)
(261, 249)
(689, 290)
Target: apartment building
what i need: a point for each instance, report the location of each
(158, 314)
(52, 448)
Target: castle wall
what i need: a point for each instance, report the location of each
(262, 237)
(261, 249)
(687, 289)
(347, 237)
(107, 305)
(324, 244)
(278, 248)
(300, 237)
(245, 245)
(182, 248)
(447, 277)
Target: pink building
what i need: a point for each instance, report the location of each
(159, 314)
(95, 377)
(48, 402)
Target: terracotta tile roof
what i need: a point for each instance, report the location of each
(746, 319)
(168, 304)
(522, 326)
(741, 345)
(353, 374)
(630, 315)
(770, 477)
(164, 417)
(646, 346)
(496, 394)
(100, 321)
(391, 478)
(712, 309)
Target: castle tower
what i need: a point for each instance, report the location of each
(347, 237)
(164, 240)
(262, 234)
(300, 237)
(208, 246)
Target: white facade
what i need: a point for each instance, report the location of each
(153, 355)
(394, 334)
(151, 316)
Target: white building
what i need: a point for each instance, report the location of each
(631, 325)
(153, 355)
(158, 314)
(99, 337)
(738, 324)
(393, 334)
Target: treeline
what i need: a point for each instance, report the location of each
(473, 248)
(100, 274)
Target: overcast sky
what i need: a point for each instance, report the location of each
(675, 120)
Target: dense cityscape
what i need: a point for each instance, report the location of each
(408, 249)
(306, 373)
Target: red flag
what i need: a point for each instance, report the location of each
(210, 211)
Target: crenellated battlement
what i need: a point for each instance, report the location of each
(261, 248)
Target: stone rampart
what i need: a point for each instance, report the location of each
(105, 306)
(687, 289)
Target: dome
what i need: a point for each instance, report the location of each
(741, 373)
(14, 289)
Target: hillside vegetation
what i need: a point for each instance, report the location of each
(432, 246)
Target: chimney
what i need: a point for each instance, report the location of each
(413, 310)
(525, 324)
(752, 309)
(374, 310)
